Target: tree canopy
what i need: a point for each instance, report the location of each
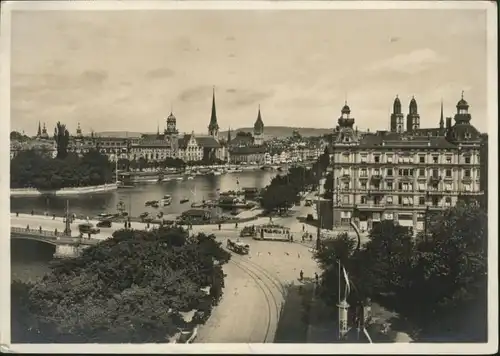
(131, 288)
(31, 169)
(431, 281)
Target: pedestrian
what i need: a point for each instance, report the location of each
(303, 228)
(125, 224)
(147, 225)
(291, 238)
(89, 235)
(32, 212)
(298, 255)
(310, 237)
(301, 274)
(316, 277)
(236, 225)
(53, 216)
(28, 227)
(17, 214)
(55, 232)
(303, 239)
(40, 229)
(129, 224)
(219, 226)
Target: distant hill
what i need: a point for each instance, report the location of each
(269, 131)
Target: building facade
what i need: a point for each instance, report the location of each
(407, 173)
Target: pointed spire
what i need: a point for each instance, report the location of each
(462, 94)
(229, 135)
(441, 120)
(157, 128)
(39, 132)
(213, 126)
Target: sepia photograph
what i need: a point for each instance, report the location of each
(278, 175)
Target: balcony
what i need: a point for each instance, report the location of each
(389, 177)
(345, 176)
(370, 206)
(435, 192)
(376, 191)
(363, 177)
(434, 180)
(376, 177)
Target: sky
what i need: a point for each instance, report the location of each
(126, 70)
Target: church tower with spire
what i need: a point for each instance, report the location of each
(213, 126)
(413, 118)
(258, 130)
(441, 121)
(397, 117)
(39, 132)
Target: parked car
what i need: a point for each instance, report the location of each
(88, 228)
(104, 223)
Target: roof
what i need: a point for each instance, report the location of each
(248, 150)
(393, 139)
(207, 141)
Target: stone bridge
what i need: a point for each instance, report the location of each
(66, 246)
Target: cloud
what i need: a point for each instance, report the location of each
(408, 63)
(94, 77)
(230, 38)
(159, 73)
(245, 97)
(201, 92)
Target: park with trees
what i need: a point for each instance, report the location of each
(437, 283)
(132, 288)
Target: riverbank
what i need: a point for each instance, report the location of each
(33, 192)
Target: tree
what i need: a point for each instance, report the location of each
(61, 136)
(278, 197)
(432, 282)
(130, 288)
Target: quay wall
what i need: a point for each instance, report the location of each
(33, 192)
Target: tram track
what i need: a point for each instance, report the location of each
(256, 273)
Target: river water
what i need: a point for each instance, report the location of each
(30, 259)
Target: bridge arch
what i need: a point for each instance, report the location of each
(33, 238)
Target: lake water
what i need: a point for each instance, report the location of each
(30, 259)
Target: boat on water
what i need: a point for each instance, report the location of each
(184, 200)
(197, 205)
(190, 177)
(167, 200)
(179, 178)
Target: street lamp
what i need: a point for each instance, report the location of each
(67, 229)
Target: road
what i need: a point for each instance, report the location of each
(254, 285)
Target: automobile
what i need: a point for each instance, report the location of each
(88, 228)
(104, 223)
(143, 215)
(310, 217)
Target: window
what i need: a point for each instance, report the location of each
(363, 159)
(363, 200)
(389, 159)
(389, 172)
(421, 172)
(467, 187)
(345, 186)
(421, 200)
(448, 159)
(345, 157)
(376, 172)
(388, 200)
(400, 186)
(363, 185)
(467, 173)
(447, 201)
(421, 187)
(467, 159)
(363, 172)
(345, 199)
(376, 159)
(448, 173)
(389, 185)
(435, 159)
(435, 173)
(435, 201)
(405, 186)
(448, 187)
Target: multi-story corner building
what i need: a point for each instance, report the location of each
(406, 173)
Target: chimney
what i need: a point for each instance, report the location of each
(448, 123)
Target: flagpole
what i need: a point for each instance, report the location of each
(339, 321)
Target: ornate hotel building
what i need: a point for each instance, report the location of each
(406, 173)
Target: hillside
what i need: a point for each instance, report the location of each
(269, 131)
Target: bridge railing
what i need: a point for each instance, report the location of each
(38, 232)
